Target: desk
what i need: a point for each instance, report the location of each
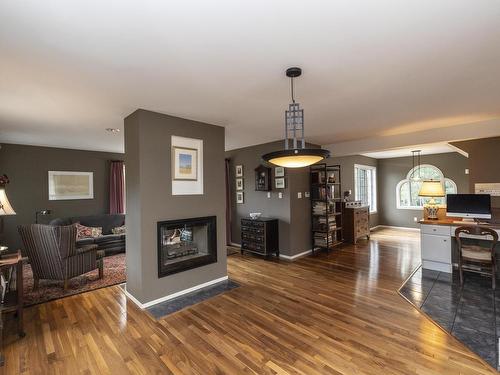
(437, 238)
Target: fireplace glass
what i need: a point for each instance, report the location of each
(185, 244)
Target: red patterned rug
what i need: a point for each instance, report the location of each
(48, 290)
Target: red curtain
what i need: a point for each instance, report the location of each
(117, 187)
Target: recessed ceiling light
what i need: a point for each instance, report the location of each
(113, 130)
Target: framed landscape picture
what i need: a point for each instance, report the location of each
(239, 184)
(185, 163)
(65, 185)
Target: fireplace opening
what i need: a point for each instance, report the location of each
(186, 243)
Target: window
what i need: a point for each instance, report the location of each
(407, 189)
(365, 186)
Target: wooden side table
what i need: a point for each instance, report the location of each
(13, 300)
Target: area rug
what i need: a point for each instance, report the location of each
(48, 290)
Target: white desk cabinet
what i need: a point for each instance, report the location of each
(436, 245)
(436, 251)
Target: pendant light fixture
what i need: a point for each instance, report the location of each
(415, 156)
(295, 154)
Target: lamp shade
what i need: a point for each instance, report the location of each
(5, 207)
(431, 188)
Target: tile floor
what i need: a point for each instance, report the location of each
(168, 307)
(471, 313)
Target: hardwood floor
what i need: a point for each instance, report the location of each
(332, 314)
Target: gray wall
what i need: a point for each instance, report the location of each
(27, 168)
(294, 214)
(347, 176)
(483, 163)
(391, 171)
(149, 199)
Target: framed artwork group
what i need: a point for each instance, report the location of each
(240, 196)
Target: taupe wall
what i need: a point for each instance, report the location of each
(391, 171)
(483, 162)
(294, 214)
(149, 199)
(257, 201)
(27, 168)
(347, 176)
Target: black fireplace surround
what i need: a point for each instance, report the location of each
(186, 244)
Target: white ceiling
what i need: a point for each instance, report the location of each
(428, 149)
(69, 69)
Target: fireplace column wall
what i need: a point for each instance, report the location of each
(150, 200)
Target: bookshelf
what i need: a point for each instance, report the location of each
(326, 206)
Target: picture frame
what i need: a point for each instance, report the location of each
(239, 170)
(184, 163)
(239, 197)
(239, 184)
(279, 183)
(70, 185)
(279, 172)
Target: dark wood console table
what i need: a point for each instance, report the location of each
(13, 299)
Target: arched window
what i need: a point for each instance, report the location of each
(407, 189)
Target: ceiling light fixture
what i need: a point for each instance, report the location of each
(295, 154)
(112, 130)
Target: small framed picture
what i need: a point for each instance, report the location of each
(239, 171)
(279, 183)
(279, 172)
(239, 184)
(185, 163)
(239, 197)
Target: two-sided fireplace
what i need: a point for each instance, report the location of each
(186, 243)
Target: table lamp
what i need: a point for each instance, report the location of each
(431, 189)
(5, 206)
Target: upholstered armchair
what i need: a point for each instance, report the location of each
(53, 253)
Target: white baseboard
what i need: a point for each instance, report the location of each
(394, 227)
(293, 257)
(234, 244)
(173, 295)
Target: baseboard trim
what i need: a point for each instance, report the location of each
(234, 244)
(173, 295)
(296, 256)
(394, 227)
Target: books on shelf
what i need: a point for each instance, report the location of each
(321, 177)
(330, 227)
(324, 239)
(321, 208)
(323, 192)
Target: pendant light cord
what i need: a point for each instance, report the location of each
(291, 89)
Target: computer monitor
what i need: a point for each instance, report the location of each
(474, 206)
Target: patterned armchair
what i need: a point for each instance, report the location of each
(53, 253)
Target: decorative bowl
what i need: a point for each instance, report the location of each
(255, 215)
